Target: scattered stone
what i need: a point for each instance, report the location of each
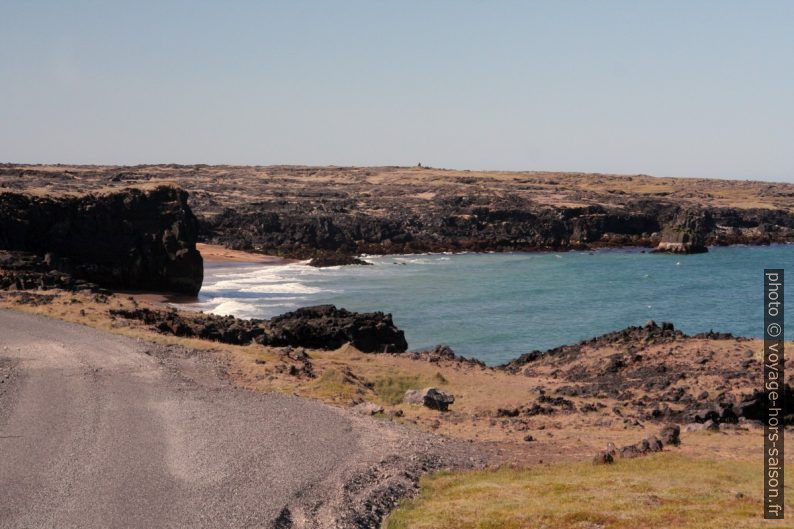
(646, 446)
(444, 352)
(670, 435)
(710, 426)
(429, 397)
(367, 408)
(602, 457)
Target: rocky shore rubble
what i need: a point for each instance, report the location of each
(651, 373)
(27, 271)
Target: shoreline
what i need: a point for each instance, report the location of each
(215, 254)
(273, 259)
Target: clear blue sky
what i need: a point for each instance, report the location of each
(689, 88)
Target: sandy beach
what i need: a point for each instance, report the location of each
(215, 253)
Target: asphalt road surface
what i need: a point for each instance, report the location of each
(102, 431)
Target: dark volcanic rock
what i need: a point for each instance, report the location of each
(130, 239)
(646, 446)
(320, 327)
(430, 397)
(336, 259)
(325, 326)
(650, 332)
(26, 271)
(755, 406)
(226, 329)
(670, 435)
(443, 352)
(687, 232)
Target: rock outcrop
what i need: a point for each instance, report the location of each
(686, 233)
(26, 271)
(130, 239)
(326, 260)
(652, 373)
(432, 398)
(319, 327)
(326, 327)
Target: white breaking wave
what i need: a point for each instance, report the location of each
(266, 288)
(259, 291)
(232, 307)
(280, 279)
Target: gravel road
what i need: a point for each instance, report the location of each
(99, 430)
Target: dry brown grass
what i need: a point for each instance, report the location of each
(236, 184)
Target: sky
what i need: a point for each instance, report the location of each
(675, 88)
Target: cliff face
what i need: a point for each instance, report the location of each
(487, 224)
(687, 232)
(130, 239)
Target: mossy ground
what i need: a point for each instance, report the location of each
(664, 491)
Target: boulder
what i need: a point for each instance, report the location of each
(670, 435)
(430, 397)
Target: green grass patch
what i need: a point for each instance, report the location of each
(663, 491)
(334, 383)
(392, 388)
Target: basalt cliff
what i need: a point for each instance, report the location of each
(141, 239)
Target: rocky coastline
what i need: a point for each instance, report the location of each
(145, 238)
(332, 214)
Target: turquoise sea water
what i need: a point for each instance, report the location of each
(497, 306)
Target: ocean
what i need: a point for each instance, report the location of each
(495, 306)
